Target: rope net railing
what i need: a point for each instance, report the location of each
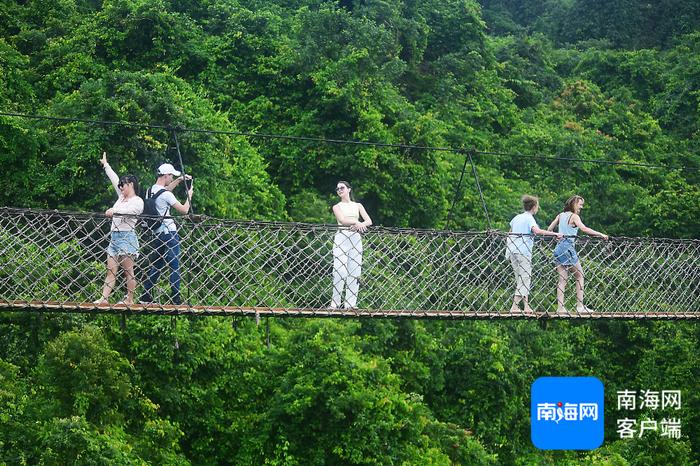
(55, 261)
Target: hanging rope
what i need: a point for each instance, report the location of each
(182, 169)
(52, 260)
(349, 142)
(478, 187)
(458, 191)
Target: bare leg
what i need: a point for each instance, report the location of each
(127, 263)
(561, 285)
(578, 275)
(110, 279)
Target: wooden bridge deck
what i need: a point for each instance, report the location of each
(169, 309)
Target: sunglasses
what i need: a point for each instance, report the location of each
(125, 180)
(341, 188)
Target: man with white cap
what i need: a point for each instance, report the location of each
(166, 243)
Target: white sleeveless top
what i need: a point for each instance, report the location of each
(350, 210)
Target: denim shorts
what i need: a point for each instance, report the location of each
(123, 243)
(565, 252)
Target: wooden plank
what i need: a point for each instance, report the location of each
(170, 309)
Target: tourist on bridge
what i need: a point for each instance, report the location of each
(519, 249)
(166, 242)
(569, 223)
(123, 246)
(347, 246)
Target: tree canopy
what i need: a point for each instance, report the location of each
(526, 84)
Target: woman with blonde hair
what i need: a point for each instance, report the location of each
(569, 223)
(347, 246)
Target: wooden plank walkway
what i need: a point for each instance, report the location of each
(169, 309)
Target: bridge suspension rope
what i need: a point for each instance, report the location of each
(323, 140)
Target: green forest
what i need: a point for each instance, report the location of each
(550, 98)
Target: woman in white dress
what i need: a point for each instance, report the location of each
(347, 246)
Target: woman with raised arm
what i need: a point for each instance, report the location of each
(347, 246)
(123, 246)
(565, 257)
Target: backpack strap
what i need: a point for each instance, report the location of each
(150, 195)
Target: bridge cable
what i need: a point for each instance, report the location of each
(478, 187)
(458, 189)
(354, 142)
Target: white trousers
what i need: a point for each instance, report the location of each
(522, 267)
(347, 267)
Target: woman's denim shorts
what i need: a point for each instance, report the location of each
(123, 243)
(565, 252)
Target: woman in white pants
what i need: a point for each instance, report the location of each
(347, 246)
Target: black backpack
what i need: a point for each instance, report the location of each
(151, 222)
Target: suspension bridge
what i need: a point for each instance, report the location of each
(54, 261)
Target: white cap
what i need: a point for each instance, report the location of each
(167, 169)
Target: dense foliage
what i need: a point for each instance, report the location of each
(607, 81)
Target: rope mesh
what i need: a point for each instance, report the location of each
(54, 260)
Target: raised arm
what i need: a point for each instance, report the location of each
(174, 184)
(110, 173)
(185, 208)
(590, 231)
(554, 223)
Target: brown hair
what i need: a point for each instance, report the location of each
(347, 185)
(571, 202)
(529, 202)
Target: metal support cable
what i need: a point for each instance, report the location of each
(478, 187)
(190, 212)
(582, 160)
(457, 193)
(182, 168)
(349, 142)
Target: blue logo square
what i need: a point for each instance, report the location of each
(566, 413)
